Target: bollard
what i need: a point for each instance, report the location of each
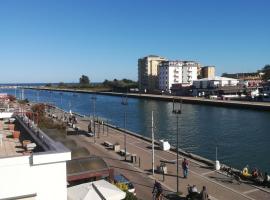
(139, 162)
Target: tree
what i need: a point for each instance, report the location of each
(84, 80)
(266, 72)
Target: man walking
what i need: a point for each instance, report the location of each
(185, 166)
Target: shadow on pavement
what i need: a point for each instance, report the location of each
(173, 196)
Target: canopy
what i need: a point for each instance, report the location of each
(97, 190)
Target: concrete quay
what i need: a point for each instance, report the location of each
(219, 185)
(263, 106)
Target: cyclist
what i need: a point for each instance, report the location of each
(157, 189)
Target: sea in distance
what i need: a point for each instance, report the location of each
(242, 136)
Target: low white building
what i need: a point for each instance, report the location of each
(176, 72)
(215, 82)
(37, 175)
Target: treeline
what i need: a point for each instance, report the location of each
(123, 85)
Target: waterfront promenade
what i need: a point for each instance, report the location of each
(219, 185)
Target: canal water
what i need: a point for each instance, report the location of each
(241, 136)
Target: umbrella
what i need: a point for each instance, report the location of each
(97, 190)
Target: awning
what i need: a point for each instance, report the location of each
(97, 190)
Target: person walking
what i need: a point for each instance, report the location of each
(185, 166)
(157, 191)
(204, 194)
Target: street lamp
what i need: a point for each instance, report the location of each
(94, 98)
(177, 110)
(125, 103)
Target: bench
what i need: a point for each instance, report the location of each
(89, 134)
(108, 144)
(122, 152)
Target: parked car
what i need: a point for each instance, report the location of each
(120, 178)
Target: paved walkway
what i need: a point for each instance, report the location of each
(219, 186)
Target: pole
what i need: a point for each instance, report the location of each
(177, 156)
(153, 146)
(103, 127)
(125, 135)
(22, 94)
(125, 103)
(107, 127)
(177, 111)
(216, 152)
(61, 96)
(94, 108)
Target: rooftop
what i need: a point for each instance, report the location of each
(216, 78)
(19, 136)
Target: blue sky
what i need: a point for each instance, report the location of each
(59, 40)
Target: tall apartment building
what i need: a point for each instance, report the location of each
(177, 72)
(208, 72)
(148, 72)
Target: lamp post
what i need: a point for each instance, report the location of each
(177, 111)
(125, 103)
(94, 98)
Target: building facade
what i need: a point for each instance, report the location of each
(177, 72)
(148, 72)
(208, 72)
(208, 83)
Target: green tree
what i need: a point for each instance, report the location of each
(266, 72)
(84, 80)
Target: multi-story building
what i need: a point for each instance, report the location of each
(148, 72)
(177, 72)
(208, 72)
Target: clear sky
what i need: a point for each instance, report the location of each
(59, 40)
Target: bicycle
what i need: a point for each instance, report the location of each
(157, 196)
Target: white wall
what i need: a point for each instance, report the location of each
(184, 71)
(22, 175)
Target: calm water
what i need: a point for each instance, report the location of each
(242, 136)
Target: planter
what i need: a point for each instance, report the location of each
(116, 147)
(16, 134)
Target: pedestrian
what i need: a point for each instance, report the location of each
(89, 127)
(185, 166)
(203, 194)
(157, 190)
